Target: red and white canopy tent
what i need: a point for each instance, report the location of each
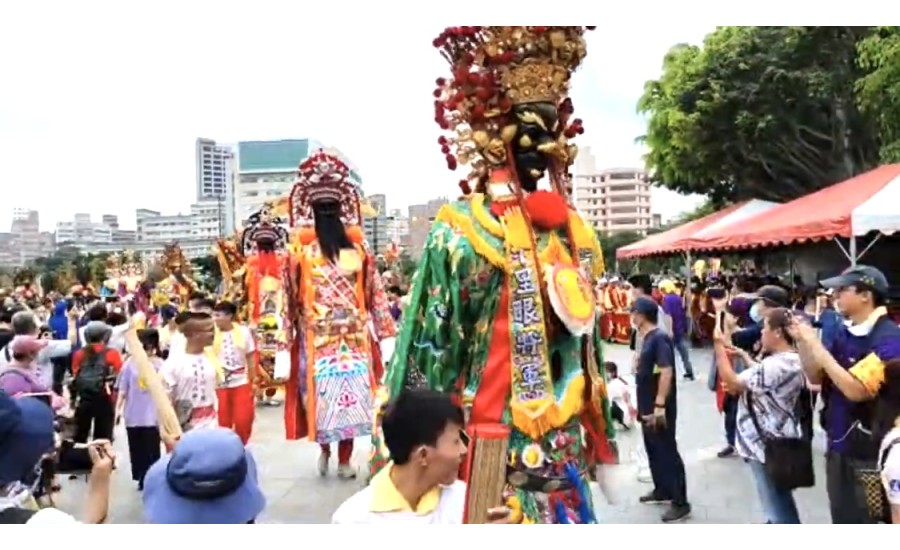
(667, 241)
(854, 208)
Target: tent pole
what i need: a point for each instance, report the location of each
(869, 246)
(853, 254)
(687, 294)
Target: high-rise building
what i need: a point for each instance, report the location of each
(376, 227)
(267, 171)
(215, 180)
(28, 242)
(397, 227)
(213, 168)
(612, 200)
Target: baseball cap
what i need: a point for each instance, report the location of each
(24, 344)
(864, 276)
(644, 306)
(97, 331)
(209, 477)
(26, 435)
(773, 295)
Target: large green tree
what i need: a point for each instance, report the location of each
(759, 112)
(878, 91)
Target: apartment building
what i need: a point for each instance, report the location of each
(27, 242)
(613, 200)
(421, 218)
(202, 223)
(397, 227)
(267, 171)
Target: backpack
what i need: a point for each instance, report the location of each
(93, 375)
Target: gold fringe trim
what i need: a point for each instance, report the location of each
(538, 418)
(555, 251)
(464, 225)
(586, 238)
(485, 219)
(517, 232)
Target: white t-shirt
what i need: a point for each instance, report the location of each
(192, 378)
(890, 474)
(234, 359)
(621, 394)
(177, 344)
(450, 509)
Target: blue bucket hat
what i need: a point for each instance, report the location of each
(26, 435)
(209, 478)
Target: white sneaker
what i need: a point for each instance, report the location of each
(323, 464)
(346, 471)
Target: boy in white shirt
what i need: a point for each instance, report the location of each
(620, 397)
(422, 430)
(235, 349)
(191, 377)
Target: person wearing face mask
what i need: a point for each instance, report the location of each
(657, 404)
(771, 394)
(748, 339)
(851, 372)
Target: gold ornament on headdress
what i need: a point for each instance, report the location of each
(495, 69)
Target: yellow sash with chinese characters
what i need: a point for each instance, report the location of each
(533, 401)
(214, 352)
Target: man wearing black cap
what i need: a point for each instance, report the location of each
(766, 298)
(851, 372)
(658, 409)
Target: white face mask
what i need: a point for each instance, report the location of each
(755, 314)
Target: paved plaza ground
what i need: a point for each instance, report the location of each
(720, 490)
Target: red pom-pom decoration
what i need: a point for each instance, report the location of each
(547, 210)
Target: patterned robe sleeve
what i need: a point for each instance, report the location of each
(377, 301)
(430, 349)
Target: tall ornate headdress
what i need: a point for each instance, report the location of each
(323, 177)
(494, 69)
(172, 256)
(112, 264)
(264, 230)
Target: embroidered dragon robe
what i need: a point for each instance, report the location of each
(476, 326)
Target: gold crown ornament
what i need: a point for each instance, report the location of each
(323, 177)
(494, 70)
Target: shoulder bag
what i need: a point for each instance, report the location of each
(877, 504)
(789, 460)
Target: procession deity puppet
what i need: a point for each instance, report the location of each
(113, 273)
(502, 312)
(341, 322)
(177, 285)
(264, 247)
(231, 265)
(132, 275)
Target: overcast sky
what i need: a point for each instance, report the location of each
(100, 107)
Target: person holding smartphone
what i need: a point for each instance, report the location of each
(26, 436)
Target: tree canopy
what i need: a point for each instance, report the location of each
(878, 91)
(763, 112)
